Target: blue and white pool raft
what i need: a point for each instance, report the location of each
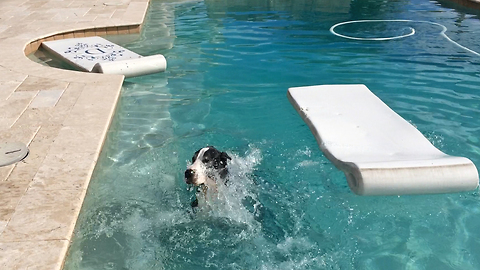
(96, 54)
(379, 151)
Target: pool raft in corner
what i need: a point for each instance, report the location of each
(96, 54)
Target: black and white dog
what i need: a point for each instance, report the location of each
(208, 166)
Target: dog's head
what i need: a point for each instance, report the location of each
(206, 163)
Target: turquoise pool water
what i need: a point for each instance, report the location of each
(230, 64)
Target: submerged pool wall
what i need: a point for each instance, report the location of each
(63, 116)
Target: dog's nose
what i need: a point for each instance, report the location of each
(189, 173)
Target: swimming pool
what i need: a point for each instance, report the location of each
(230, 65)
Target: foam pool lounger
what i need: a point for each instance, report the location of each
(379, 151)
(96, 54)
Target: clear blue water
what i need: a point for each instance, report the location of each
(230, 64)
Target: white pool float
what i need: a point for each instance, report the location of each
(379, 151)
(96, 54)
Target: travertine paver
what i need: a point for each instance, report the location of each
(63, 117)
(46, 99)
(28, 255)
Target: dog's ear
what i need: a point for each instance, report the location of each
(225, 156)
(195, 156)
(221, 163)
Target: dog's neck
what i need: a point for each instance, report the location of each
(210, 184)
(206, 193)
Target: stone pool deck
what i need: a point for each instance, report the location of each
(63, 117)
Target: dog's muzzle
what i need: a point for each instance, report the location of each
(189, 176)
